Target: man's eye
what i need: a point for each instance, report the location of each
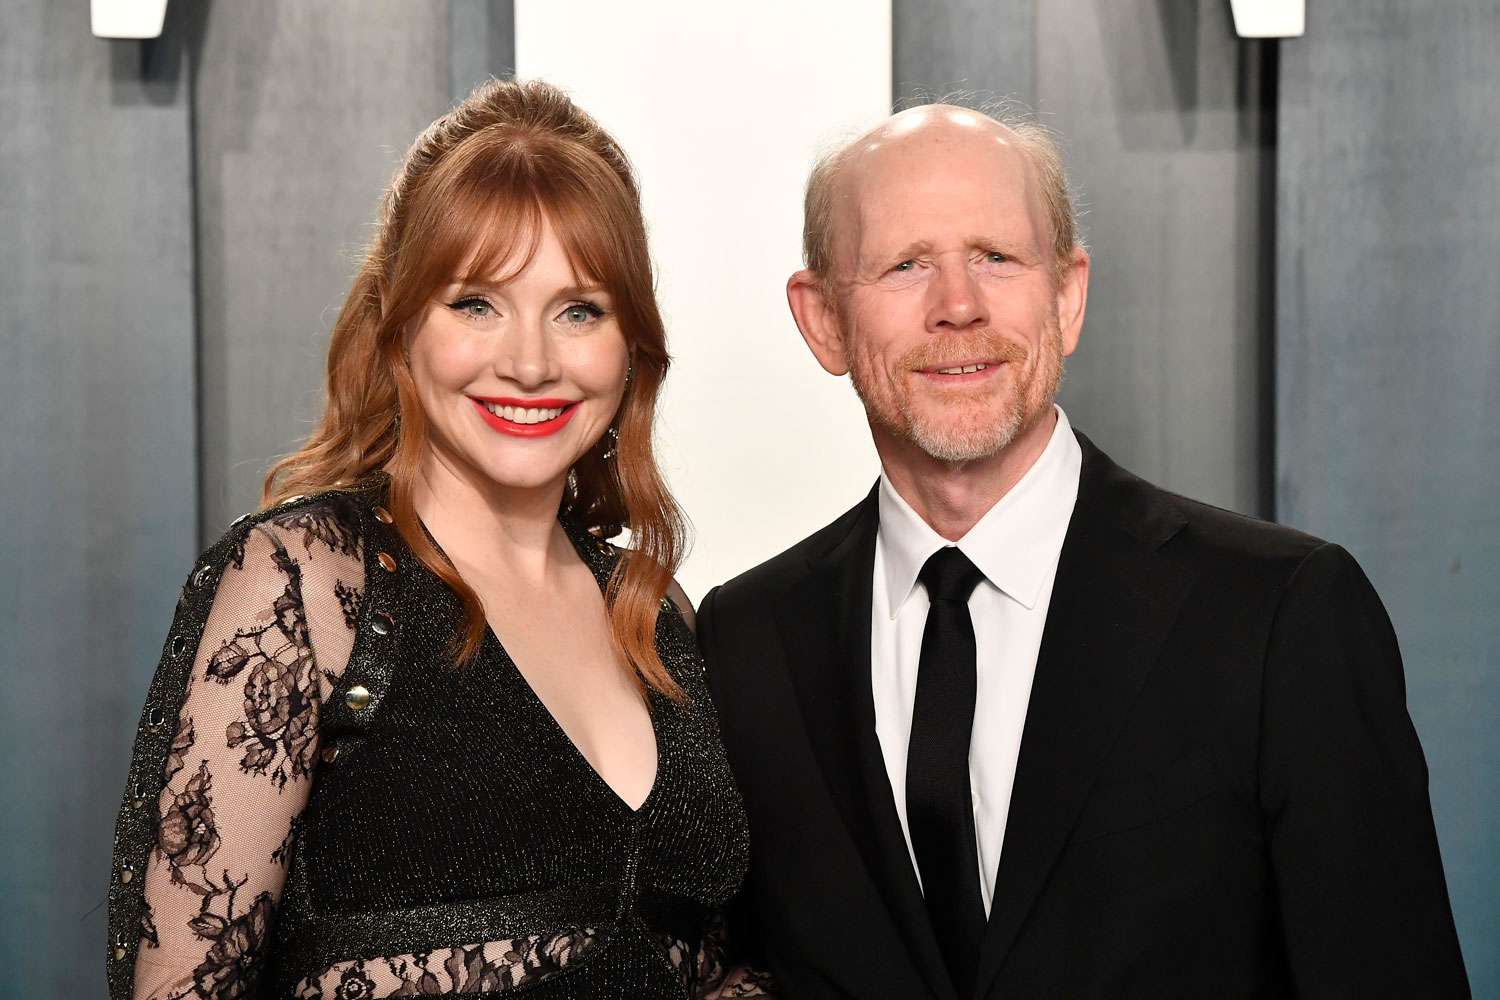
(580, 313)
(996, 257)
(904, 266)
(473, 307)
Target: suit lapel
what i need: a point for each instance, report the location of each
(825, 623)
(1113, 602)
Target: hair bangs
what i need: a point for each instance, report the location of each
(470, 203)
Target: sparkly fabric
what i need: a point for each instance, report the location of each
(320, 805)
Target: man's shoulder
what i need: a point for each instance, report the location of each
(1215, 535)
(766, 581)
(1240, 539)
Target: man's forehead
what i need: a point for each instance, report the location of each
(901, 190)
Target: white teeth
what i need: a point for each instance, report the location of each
(524, 415)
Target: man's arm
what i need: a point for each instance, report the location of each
(746, 945)
(1343, 788)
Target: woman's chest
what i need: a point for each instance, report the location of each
(465, 786)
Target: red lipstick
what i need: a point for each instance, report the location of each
(542, 429)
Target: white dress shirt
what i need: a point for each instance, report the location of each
(1015, 545)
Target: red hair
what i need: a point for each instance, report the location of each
(470, 198)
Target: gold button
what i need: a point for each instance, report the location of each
(331, 754)
(357, 697)
(127, 873)
(387, 562)
(382, 515)
(119, 953)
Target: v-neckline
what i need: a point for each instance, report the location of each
(592, 553)
(561, 733)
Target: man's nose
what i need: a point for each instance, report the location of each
(527, 356)
(956, 300)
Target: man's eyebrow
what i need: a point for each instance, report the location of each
(916, 249)
(1021, 250)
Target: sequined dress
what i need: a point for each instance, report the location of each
(320, 806)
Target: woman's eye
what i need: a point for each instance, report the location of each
(474, 308)
(580, 313)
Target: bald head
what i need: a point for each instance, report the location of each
(907, 145)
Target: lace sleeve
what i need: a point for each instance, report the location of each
(238, 772)
(711, 972)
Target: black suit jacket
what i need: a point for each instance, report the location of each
(1219, 790)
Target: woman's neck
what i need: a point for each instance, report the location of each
(480, 523)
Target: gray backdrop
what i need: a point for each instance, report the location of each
(98, 463)
(1388, 362)
(1292, 313)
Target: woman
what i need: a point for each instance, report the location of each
(418, 728)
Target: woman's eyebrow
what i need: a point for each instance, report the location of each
(574, 291)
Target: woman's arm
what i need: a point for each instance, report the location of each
(206, 876)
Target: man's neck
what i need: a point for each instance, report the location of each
(952, 496)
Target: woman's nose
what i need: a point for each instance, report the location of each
(527, 356)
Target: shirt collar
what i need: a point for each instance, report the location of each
(1015, 544)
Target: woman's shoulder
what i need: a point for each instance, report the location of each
(328, 527)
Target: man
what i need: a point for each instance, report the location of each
(1020, 724)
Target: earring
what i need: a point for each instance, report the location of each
(611, 443)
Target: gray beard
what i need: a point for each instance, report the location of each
(949, 446)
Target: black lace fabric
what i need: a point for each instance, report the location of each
(241, 765)
(236, 781)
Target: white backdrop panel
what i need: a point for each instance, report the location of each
(722, 108)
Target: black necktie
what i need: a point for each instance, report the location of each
(939, 809)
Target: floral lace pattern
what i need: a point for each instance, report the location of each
(705, 970)
(240, 768)
(493, 965)
(250, 719)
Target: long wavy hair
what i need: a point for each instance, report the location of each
(469, 198)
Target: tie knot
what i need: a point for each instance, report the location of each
(949, 576)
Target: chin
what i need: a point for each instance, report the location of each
(517, 472)
(524, 479)
(969, 439)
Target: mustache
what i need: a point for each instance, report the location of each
(983, 345)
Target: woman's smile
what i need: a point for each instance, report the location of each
(526, 417)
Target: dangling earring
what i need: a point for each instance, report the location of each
(611, 444)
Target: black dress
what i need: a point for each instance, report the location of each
(321, 806)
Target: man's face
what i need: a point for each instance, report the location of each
(945, 293)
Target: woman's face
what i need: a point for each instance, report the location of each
(519, 379)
